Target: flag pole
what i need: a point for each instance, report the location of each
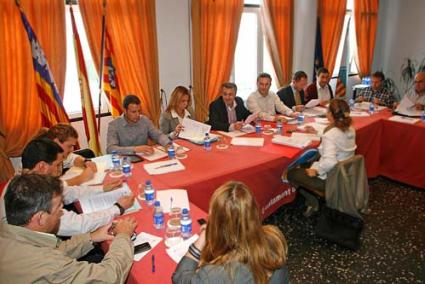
(102, 49)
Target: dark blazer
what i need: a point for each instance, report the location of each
(311, 92)
(218, 118)
(286, 95)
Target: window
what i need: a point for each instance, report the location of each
(72, 97)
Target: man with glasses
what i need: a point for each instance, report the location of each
(377, 93)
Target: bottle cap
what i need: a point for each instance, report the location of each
(157, 203)
(148, 181)
(185, 211)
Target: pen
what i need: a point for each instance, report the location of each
(153, 263)
(167, 165)
(171, 203)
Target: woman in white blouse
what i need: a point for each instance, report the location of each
(338, 144)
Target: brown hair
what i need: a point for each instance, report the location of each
(62, 132)
(176, 96)
(340, 111)
(235, 233)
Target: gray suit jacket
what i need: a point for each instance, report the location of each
(186, 273)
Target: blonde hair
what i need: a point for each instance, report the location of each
(176, 96)
(235, 233)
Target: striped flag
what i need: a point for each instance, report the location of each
(341, 82)
(89, 116)
(52, 110)
(110, 80)
(318, 52)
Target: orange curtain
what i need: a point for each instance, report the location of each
(331, 14)
(277, 19)
(366, 21)
(131, 25)
(19, 102)
(215, 27)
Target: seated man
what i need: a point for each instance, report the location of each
(417, 94)
(293, 95)
(31, 253)
(376, 93)
(320, 89)
(44, 157)
(228, 111)
(129, 133)
(265, 102)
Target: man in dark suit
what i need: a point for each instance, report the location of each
(228, 111)
(320, 89)
(293, 95)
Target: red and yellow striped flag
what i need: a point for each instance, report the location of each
(89, 116)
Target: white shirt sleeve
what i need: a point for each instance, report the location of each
(252, 105)
(328, 160)
(281, 107)
(74, 193)
(73, 224)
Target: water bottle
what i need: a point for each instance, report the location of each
(116, 162)
(207, 142)
(423, 116)
(171, 152)
(158, 216)
(126, 167)
(258, 126)
(351, 103)
(300, 119)
(371, 108)
(149, 193)
(279, 127)
(186, 224)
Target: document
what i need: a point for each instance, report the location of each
(194, 130)
(248, 141)
(407, 107)
(321, 120)
(354, 113)
(297, 142)
(365, 106)
(178, 251)
(106, 200)
(315, 111)
(251, 118)
(312, 103)
(232, 134)
(98, 177)
(172, 198)
(143, 238)
(157, 154)
(318, 126)
(306, 136)
(404, 119)
(181, 148)
(163, 167)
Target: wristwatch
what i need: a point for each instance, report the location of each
(122, 210)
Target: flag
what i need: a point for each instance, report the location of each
(318, 52)
(341, 82)
(110, 80)
(52, 110)
(89, 116)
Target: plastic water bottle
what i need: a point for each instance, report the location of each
(279, 126)
(126, 167)
(186, 224)
(207, 142)
(116, 162)
(258, 126)
(171, 152)
(423, 116)
(158, 216)
(351, 103)
(300, 119)
(149, 193)
(371, 108)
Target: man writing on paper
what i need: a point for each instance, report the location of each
(293, 95)
(376, 93)
(417, 94)
(265, 102)
(129, 133)
(320, 89)
(31, 253)
(228, 111)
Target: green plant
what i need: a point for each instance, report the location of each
(408, 71)
(390, 85)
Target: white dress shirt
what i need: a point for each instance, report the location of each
(323, 94)
(336, 146)
(267, 106)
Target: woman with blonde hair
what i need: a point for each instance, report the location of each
(235, 247)
(178, 108)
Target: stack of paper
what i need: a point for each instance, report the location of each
(163, 167)
(247, 141)
(407, 107)
(157, 154)
(404, 119)
(366, 105)
(318, 126)
(143, 238)
(359, 113)
(312, 103)
(194, 130)
(172, 198)
(321, 120)
(98, 177)
(301, 135)
(178, 251)
(232, 134)
(297, 142)
(315, 111)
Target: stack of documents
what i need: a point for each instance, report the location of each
(404, 119)
(297, 142)
(157, 154)
(163, 167)
(366, 105)
(315, 111)
(407, 107)
(247, 141)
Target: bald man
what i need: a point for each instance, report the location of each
(417, 95)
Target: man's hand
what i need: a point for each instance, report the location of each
(91, 165)
(126, 201)
(200, 242)
(376, 101)
(359, 99)
(299, 108)
(125, 226)
(111, 185)
(86, 175)
(419, 106)
(178, 129)
(237, 125)
(311, 172)
(145, 149)
(101, 234)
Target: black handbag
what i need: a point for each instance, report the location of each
(340, 228)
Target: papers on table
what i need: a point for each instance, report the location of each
(248, 128)
(163, 167)
(318, 126)
(157, 154)
(407, 107)
(321, 120)
(172, 198)
(315, 111)
(106, 200)
(251, 118)
(194, 130)
(178, 251)
(404, 119)
(358, 113)
(248, 141)
(98, 178)
(302, 135)
(142, 238)
(181, 148)
(365, 106)
(297, 142)
(232, 134)
(312, 103)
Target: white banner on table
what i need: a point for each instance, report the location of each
(143, 238)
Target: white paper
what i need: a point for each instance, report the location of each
(194, 130)
(359, 113)
(163, 167)
(157, 154)
(321, 120)
(317, 126)
(248, 128)
(312, 103)
(297, 142)
(106, 200)
(182, 148)
(315, 111)
(143, 238)
(178, 196)
(98, 177)
(404, 119)
(251, 118)
(232, 134)
(366, 105)
(248, 141)
(301, 135)
(407, 107)
(178, 251)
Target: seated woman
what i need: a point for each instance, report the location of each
(338, 144)
(235, 247)
(178, 108)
